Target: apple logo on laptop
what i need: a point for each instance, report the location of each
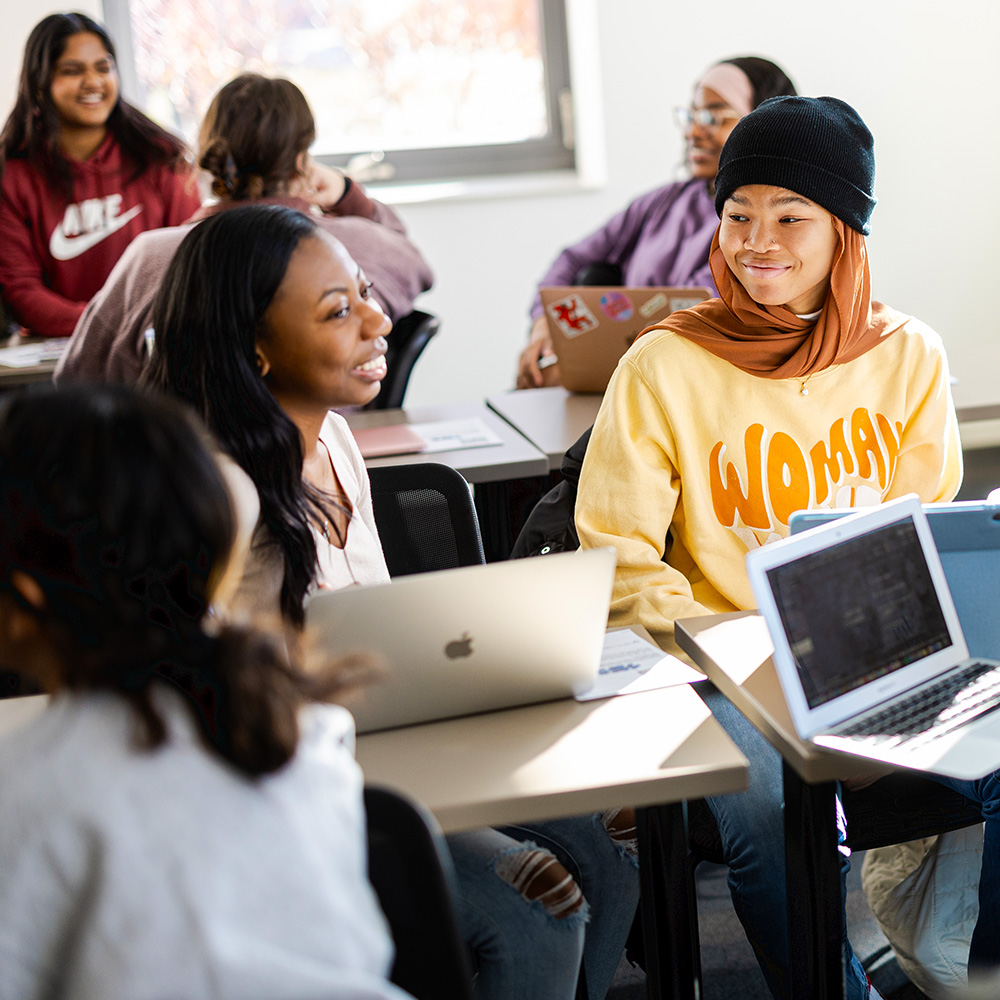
(458, 648)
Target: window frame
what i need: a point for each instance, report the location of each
(555, 152)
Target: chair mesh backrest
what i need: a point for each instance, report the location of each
(426, 518)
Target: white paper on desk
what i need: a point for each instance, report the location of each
(451, 435)
(29, 355)
(630, 663)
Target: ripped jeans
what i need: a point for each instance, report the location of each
(527, 924)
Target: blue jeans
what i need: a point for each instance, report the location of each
(751, 825)
(522, 951)
(985, 950)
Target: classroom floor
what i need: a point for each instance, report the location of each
(729, 969)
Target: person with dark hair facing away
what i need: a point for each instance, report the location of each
(185, 818)
(664, 236)
(818, 396)
(254, 144)
(263, 324)
(82, 173)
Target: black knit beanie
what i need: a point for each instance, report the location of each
(815, 146)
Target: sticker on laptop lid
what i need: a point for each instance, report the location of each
(653, 304)
(572, 316)
(617, 306)
(684, 303)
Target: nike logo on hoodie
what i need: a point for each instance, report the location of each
(87, 224)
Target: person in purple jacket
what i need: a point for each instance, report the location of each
(664, 236)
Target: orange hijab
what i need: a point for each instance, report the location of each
(771, 341)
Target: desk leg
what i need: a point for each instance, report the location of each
(815, 908)
(669, 904)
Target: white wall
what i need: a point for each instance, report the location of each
(924, 76)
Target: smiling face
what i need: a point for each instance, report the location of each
(84, 86)
(779, 245)
(322, 344)
(704, 142)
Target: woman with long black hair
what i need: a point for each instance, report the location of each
(82, 173)
(185, 818)
(263, 324)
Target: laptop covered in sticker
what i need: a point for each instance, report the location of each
(592, 326)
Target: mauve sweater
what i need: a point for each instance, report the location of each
(662, 238)
(108, 344)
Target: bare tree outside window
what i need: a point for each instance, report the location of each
(440, 87)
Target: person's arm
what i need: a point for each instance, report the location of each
(930, 452)
(108, 343)
(338, 195)
(612, 244)
(536, 366)
(628, 493)
(22, 282)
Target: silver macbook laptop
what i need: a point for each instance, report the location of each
(967, 536)
(473, 639)
(868, 646)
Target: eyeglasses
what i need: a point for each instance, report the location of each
(686, 117)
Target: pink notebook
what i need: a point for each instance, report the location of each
(396, 439)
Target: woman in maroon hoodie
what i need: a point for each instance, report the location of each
(82, 173)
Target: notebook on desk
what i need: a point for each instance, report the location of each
(423, 438)
(593, 326)
(472, 639)
(868, 646)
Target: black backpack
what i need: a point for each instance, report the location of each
(550, 526)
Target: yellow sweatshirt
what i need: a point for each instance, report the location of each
(688, 443)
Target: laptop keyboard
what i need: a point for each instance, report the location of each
(935, 710)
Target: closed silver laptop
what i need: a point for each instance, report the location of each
(472, 639)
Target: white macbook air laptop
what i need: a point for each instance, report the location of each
(868, 646)
(967, 536)
(472, 639)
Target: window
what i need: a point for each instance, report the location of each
(409, 90)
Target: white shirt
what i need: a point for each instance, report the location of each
(133, 874)
(360, 561)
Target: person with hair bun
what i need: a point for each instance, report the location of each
(254, 145)
(185, 818)
(82, 173)
(663, 237)
(794, 389)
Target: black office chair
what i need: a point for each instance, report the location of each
(411, 871)
(410, 335)
(426, 518)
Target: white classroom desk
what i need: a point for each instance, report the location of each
(653, 750)
(551, 418)
(514, 458)
(559, 758)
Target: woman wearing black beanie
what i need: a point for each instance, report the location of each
(792, 390)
